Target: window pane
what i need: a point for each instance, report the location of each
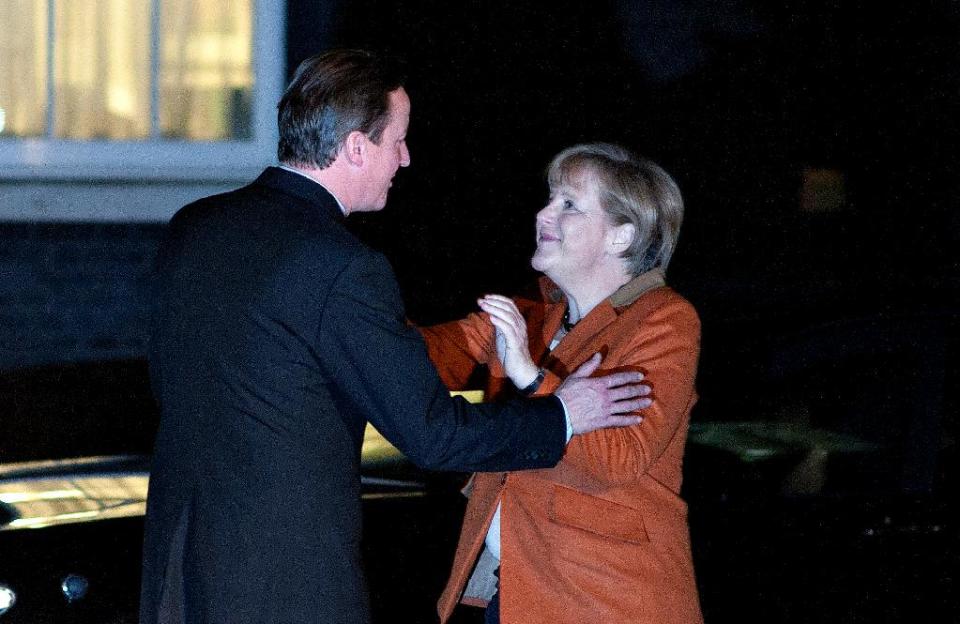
(23, 67)
(102, 69)
(206, 74)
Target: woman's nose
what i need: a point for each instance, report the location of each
(546, 214)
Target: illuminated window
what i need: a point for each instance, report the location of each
(206, 74)
(23, 63)
(135, 73)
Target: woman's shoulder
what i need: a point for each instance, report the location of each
(662, 303)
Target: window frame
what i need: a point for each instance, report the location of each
(157, 159)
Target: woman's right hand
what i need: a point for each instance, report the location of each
(512, 346)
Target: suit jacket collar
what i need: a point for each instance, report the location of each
(302, 188)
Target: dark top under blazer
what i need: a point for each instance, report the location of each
(277, 336)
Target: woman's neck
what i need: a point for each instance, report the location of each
(584, 296)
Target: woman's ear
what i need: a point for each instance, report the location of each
(621, 237)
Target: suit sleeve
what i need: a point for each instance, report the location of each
(666, 348)
(379, 367)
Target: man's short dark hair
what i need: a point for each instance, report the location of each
(331, 95)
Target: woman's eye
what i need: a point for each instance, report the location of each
(568, 205)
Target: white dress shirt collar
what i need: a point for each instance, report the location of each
(300, 173)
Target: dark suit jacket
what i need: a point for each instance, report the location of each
(277, 336)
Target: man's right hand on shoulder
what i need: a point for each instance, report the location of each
(599, 402)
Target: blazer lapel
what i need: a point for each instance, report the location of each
(587, 336)
(583, 341)
(550, 323)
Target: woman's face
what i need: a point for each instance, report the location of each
(573, 233)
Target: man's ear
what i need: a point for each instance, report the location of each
(355, 148)
(621, 237)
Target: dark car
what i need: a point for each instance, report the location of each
(70, 535)
(71, 528)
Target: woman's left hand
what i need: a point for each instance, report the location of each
(512, 335)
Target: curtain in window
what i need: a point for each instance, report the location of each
(102, 69)
(206, 73)
(23, 62)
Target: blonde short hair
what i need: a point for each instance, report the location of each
(632, 190)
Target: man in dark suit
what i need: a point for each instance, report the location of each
(277, 336)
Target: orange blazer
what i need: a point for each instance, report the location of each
(603, 536)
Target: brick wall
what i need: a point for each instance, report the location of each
(74, 291)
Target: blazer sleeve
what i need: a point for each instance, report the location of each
(457, 348)
(665, 346)
(381, 370)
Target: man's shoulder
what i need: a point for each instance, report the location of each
(262, 208)
(280, 193)
(211, 205)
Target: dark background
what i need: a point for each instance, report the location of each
(734, 98)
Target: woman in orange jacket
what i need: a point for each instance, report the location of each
(601, 537)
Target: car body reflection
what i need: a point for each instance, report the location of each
(37, 495)
(77, 523)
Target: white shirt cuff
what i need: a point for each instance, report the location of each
(566, 418)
